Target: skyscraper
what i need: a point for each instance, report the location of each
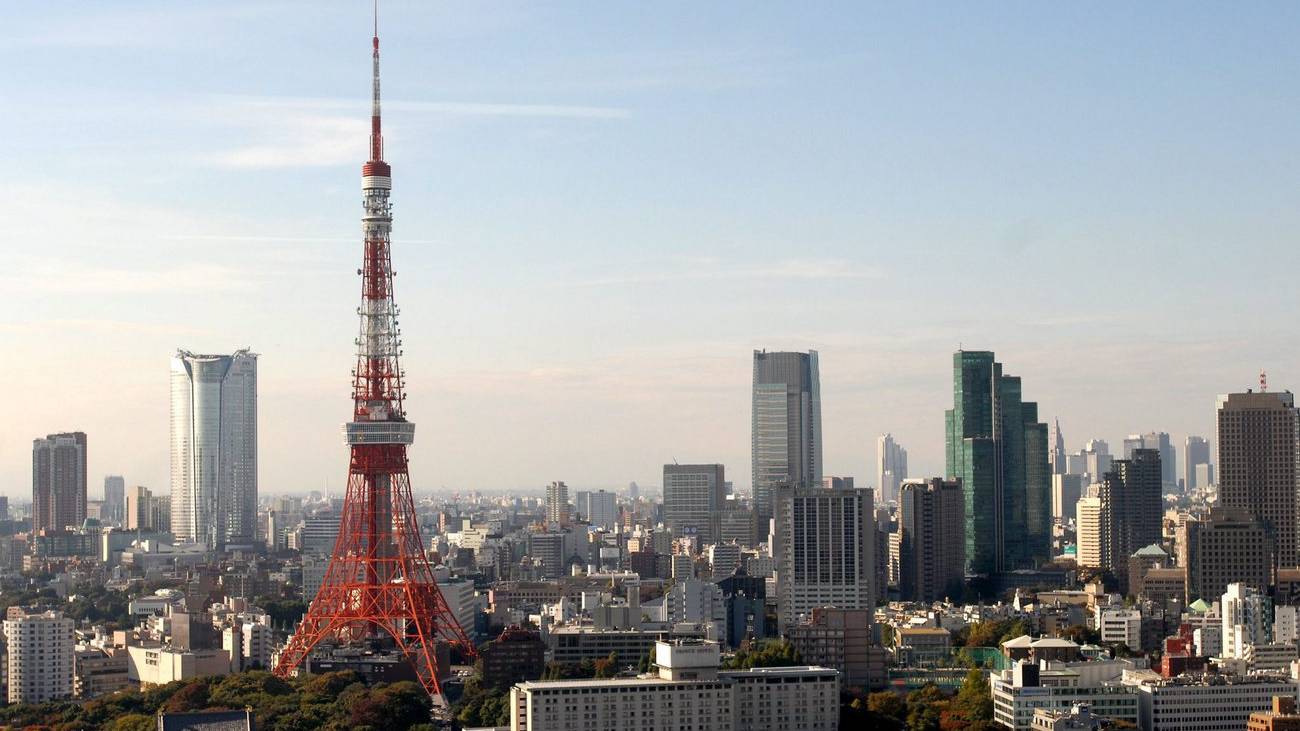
(891, 469)
(998, 448)
(114, 497)
(59, 481)
(139, 508)
(557, 503)
(214, 448)
(1158, 441)
(1226, 546)
(787, 426)
(1196, 452)
(823, 550)
(931, 553)
(693, 495)
(1259, 462)
(1132, 509)
(599, 508)
(1060, 465)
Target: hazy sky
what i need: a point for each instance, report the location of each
(603, 208)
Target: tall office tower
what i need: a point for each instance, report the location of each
(139, 508)
(633, 491)
(1132, 509)
(1096, 459)
(1088, 534)
(693, 494)
(931, 552)
(558, 510)
(1066, 491)
(160, 513)
(1259, 463)
(114, 497)
(1247, 615)
(1196, 452)
(1132, 443)
(59, 481)
(1158, 441)
(891, 469)
(4, 507)
(40, 648)
(998, 449)
(599, 508)
(787, 426)
(214, 448)
(1059, 463)
(823, 550)
(1226, 546)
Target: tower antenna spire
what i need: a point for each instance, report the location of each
(376, 128)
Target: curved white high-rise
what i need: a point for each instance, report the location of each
(214, 448)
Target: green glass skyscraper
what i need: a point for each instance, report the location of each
(998, 448)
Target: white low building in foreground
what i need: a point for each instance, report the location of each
(688, 691)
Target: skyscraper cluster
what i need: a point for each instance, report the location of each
(891, 469)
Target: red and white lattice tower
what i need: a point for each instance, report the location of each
(379, 580)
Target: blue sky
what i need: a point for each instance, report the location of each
(603, 208)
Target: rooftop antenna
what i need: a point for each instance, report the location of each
(1263, 382)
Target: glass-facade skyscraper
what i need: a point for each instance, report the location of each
(787, 426)
(214, 448)
(998, 448)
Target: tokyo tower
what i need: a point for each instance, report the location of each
(379, 581)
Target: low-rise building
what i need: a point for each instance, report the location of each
(1023, 689)
(1207, 703)
(1079, 718)
(516, 655)
(572, 645)
(923, 647)
(160, 665)
(99, 671)
(1118, 625)
(841, 639)
(1281, 718)
(688, 691)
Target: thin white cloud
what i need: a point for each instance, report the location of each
(709, 269)
(63, 277)
(308, 132)
(279, 239)
(112, 327)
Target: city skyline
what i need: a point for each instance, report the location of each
(530, 335)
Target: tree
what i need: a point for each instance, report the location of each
(764, 654)
(973, 701)
(887, 703)
(132, 722)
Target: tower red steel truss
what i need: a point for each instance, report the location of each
(379, 580)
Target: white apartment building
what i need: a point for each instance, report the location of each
(39, 655)
(249, 645)
(688, 692)
(1026, 688)
(1247, 619)
(1210, 703)
(1117, 624)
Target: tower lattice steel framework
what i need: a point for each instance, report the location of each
(379, 580)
